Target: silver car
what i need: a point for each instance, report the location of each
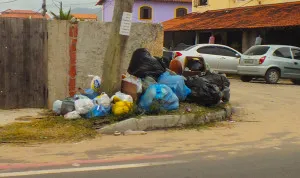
(271, 62)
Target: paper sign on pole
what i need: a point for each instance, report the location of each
(126, 23)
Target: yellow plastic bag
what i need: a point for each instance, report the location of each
(122, 107)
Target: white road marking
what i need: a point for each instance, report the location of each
(84, 169)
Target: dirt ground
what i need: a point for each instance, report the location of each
(268, 116)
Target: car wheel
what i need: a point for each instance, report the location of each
(272, 76)
(246, 78)
(296, 82)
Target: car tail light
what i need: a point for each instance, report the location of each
(177, 54)
(262, 60)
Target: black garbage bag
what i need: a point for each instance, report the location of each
(165, 62)
(142, 64)
(203, 92)
(220, 80)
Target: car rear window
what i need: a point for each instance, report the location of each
(257, 50)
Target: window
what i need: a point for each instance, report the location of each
(226, 52)
(203, 2)
(257, 50)
(283, 52)
(145, 13)
(180, 12)
(296, 54)
(208, 50)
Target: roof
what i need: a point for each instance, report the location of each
(277, 46)
(100, 2)
(207, 44)
(85, 16)
(262, 16)
(22, 14)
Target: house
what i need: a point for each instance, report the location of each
(86, 17)
(22, 14)
(205, 5)
(154, 11)
(238, 27)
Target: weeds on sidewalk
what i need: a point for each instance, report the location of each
(52, 129)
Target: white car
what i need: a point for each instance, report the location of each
(219, 57)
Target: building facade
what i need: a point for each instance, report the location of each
(153, 11)
(205, 5)
(238, 27)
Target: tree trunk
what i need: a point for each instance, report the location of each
(116, 49)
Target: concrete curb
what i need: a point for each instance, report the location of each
(147, 123)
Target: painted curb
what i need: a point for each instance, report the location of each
(147, 123)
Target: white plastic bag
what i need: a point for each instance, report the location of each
(57, 107)
(134, 80)
(72, 115)
(83, 106)
(121, 97)
(103, 100)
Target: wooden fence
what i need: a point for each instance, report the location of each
(23, 63)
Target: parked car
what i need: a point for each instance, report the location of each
(271, 62)
(180, 47)
(219, 57)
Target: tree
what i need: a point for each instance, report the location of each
(62, 15)
(116, 49)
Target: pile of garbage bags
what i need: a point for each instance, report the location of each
(166, 89)
(149, 85)
(90, 103)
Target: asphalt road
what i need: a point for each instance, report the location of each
(266, 163)
(263, 142)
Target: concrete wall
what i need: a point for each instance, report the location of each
(58, 60)
(92, 45)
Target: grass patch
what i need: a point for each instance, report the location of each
(53, 129)
(192, 108)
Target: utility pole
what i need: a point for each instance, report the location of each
(44, 8)
(115, 52)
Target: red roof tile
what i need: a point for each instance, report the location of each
(85, 16)
(22, 14)
(100, 2)
(262, 16)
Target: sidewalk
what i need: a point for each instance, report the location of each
(10, 116)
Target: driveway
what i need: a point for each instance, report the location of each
(268, 119)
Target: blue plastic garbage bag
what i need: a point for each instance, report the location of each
(162, 94)
(90, 93)
(98, 111)
(176, 83)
